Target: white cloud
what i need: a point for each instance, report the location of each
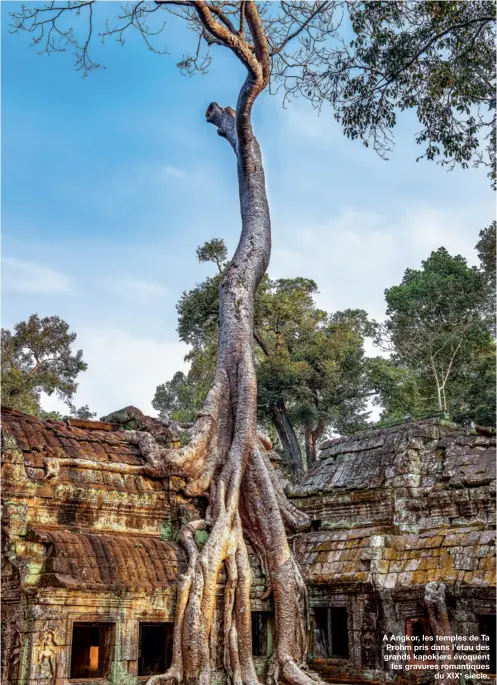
(136, 289)
(122, 370)
(32, 278)
(173, 171)
(356, 255)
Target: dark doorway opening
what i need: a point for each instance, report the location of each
(91, 649)
(261, 633)
(331, 634)
(155, 648)
(487, 627)
(419, 628)
(339, 632)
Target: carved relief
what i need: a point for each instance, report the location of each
(47, 664)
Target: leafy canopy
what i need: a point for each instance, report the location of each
(368, 60)
(37, 357)
(439, 332)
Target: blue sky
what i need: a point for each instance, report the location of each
(111, 182)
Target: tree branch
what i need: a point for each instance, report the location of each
(293, 35)
(224, 119)
(260, 341)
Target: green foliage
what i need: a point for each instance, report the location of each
(398, 390)
(486, 248)
(51, 415)
(183, 396)
(198, 312)
(37, 357)
(437, 58)
(311, 361)
(439, 332)
(173, 398)
(316, 360)
(215, 251)
(476, 387)
(83, 412)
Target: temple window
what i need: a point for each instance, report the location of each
(262, 633)
(155, 651)
(91, 650)
(331, 634)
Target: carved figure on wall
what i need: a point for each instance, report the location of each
(47, 664)
(15, 657)
(11, 654)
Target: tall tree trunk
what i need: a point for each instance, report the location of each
(286, 434)
(311, 439)
(226, 462)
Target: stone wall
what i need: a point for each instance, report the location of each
(88, 539)
(394, 510)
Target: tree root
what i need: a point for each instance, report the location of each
(262, 516)
(196, 462)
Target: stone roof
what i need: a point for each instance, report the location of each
(400, 507)
(95, 524)
(371, 460)
(92, 440)
(96, 561)
(397, 508)
(454, 556)
(88, 453)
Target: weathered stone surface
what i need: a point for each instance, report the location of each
(91, 543)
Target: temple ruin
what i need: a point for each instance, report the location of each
(402, 542)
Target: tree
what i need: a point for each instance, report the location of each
(286, 314)
(398, 390)
(37, 357)
(486, 248)
(437, 58)
(369, 60)
(225, 460)
(333, 394)
(181, 398)
(311, 370)
(198, 317)
(440, 334)
(82, 413)
(213, 251)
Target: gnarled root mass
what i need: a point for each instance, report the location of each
(246, 501)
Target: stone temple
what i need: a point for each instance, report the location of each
(402, 542)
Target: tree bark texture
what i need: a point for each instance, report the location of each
(439, 620)
(226, 461)
(311, 439)
(287, 436)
